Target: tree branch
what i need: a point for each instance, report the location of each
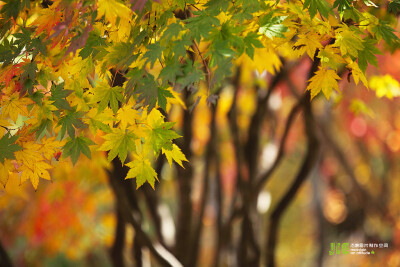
(117, 249)
(309, 162)
(210, 154)
(130, 215)
(263, 178)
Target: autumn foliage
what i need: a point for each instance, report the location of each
(125, 81)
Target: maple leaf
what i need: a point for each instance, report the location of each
(74, 148)
(15, 106)
(175, 154)
(69, 122)
(107, 95)
(5, 168)
(153, 54)
(309, 43)
(100, 120)
(46, 20)
(119, 142)
(322, 6)
(271, 26)
(323, 80)
(160, 135)
(112, 10)
(367, 55)
(58, 95)
(394, 6)
(8, 147)
(348, 41)
(330, 57)
(357, 73)
(162, 97)
(127, 116)
(140, 168)
(384, 31)
(50, 146)
(32, 164)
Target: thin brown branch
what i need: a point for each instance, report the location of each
(152, 203)
(263, 178)
(204, 64)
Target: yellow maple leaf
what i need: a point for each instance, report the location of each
(348, 41)
(174, 154)
(14, 106)
(357, 73)
(5, 168)
(264, 59)
(140, 168)
(127, 116)
(50, 146)
(31, 163)
(112, 9)
(308, 43)
(324, 80)
(330, 57)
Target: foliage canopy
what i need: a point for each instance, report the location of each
(74, 71)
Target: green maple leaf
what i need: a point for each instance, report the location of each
(251, 41)
(107, 95)
(58, 95)
(162, 97)
(321, 6)
(272, 26)
(367, 55)
(147, 91)
(69, 122)
(93, 42)
(394, 6)
(170, 71)
(11, 9)
(119, 142)
(74, 147)
(160, 135)
(192, 73)
(143, 172)
(201, 25)
(384, 31)
(7, 147)
(342, 5)
(154, 53)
